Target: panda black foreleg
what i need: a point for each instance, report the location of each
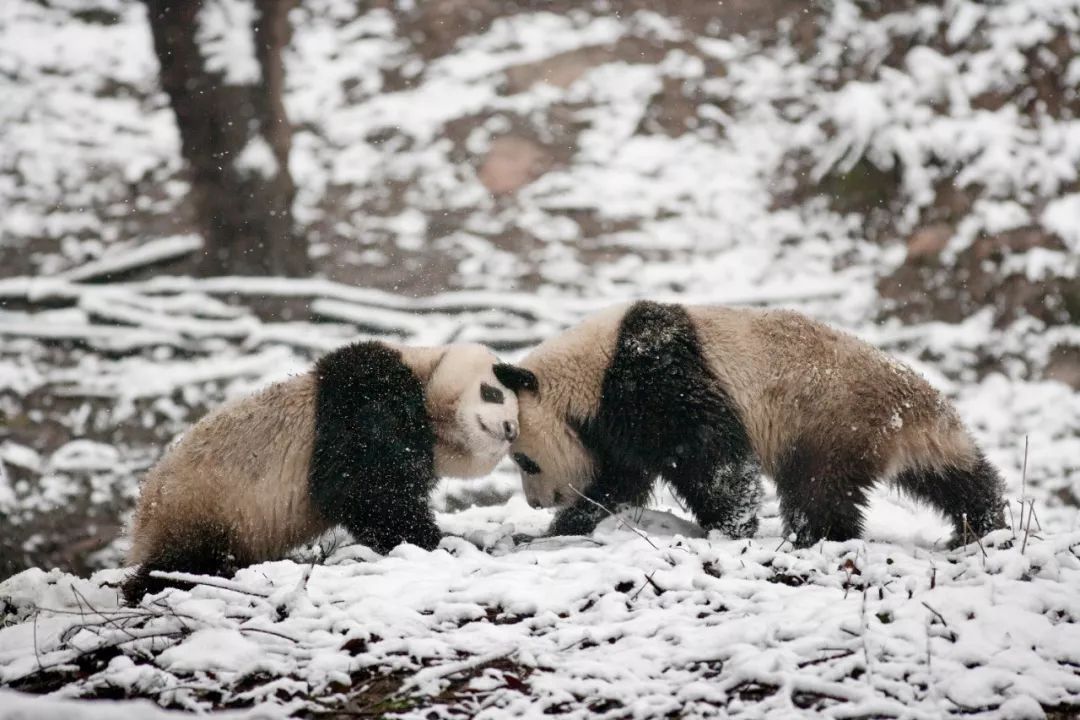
(579, 518)
(384, 510)
(723, 496)
(612, 488)
(372, 462)
(408, 522)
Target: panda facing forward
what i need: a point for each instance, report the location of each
(358, 441)
(709, 397)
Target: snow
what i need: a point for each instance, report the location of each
(686, 624)
(607, 626)
(212, 649)
(147, 252)
(257, 158)
(1062, 216)
(225, 35)
(18, 706)
(84, 455)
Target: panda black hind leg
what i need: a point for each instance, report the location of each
(821, 499)
(198, 549)
(372, 464)
(971, 494)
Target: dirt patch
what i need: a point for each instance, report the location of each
(930, 286)
(512, 163)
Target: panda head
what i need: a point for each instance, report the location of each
(474, 412)
(548, 450)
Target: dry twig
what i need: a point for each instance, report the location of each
(977, 538)
(207, 581)
(936, 613)
(1023, 483)
(648, 579)
(1027, 530)
(441, 671)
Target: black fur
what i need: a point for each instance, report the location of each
(516, 378)
(974, 493)
(372, 466)
(204, 550)
(491, 394)
(823, 493)
(526, 464)
(663, 413)
(822, 497)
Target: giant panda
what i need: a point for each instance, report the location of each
(358, 441)
(709, 397)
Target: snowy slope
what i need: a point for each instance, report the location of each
(616, 626)
(631, 193)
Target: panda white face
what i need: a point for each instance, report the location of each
(476, 415)
(549, 455)
(553, 462)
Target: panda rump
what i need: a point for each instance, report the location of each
(709, 397)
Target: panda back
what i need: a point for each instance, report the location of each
(242, 468)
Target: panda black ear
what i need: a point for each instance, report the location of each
(516, 378)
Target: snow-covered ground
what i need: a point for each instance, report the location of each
(391, 156)
(616, 626)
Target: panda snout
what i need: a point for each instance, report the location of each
(510, 429)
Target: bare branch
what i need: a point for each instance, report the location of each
(441, 671)
(977, 538)
(219, 583)
(648, 579)
(936, 613)
(1027, 530)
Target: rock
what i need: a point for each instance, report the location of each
(512, 163)
(928, 242)
(1064, 366)
(559, 70)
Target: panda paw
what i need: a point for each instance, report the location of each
(739, 528)
(425, 536)
(578, 519)
(746, 529)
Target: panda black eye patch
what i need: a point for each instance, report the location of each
(526, 464)
(491, 394)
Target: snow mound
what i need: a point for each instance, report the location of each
(581, 628)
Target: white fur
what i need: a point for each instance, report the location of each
(473, 435)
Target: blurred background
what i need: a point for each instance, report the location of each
(199, 197)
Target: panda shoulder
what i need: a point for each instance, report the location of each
(365, 371)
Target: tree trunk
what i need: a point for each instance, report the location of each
(234, 133)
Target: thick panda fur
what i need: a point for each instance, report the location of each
(358, 441)
(709, 397)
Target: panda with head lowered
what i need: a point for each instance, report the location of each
(709, 397)
(358, 441)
